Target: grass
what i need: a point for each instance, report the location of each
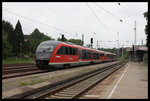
(37, 80)
(17, 60)
(32, 82)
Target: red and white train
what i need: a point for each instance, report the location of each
(56, 53)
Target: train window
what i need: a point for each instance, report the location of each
(66, 51)
(88, 54)
(76, 51)
(70, 51)
(73, 51)
(59, 51)
(107, 55)
(110, 56)
(101, 54)
(83, 54)
(95, 55)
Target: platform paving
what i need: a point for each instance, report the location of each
(130, 82)
(133, 84)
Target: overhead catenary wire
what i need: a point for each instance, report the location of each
(125, 22)
(38, 22)
(125, 10)
(58, 13)
(100, 21)
(108, 12)
(127, 14)
(96, 16)
(131, 17)
(114, 15)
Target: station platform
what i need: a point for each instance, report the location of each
(130, 82)
(133, 83)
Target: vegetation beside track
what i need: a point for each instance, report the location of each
(17, 60)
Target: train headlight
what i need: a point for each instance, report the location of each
(51, 50)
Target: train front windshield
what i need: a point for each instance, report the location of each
(46, 48)
(44, 51)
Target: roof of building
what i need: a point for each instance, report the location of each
(140, 48)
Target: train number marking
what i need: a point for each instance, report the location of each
(58, 56)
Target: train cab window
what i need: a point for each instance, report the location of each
(61, 50)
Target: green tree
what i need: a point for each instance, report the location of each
(7, 27)
(146, 27)
(17, 39)
(36, 38)
(6, 46)
(76, 41)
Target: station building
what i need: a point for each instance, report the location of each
(141, 53)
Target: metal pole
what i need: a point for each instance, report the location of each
(135, 43)
(118, 45)
(97, 44)
(122, 52)
(82, 39)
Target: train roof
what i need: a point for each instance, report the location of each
(51, 42)
(58, 42)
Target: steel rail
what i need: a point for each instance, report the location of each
(54, 87)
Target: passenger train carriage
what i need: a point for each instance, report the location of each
(56, 53)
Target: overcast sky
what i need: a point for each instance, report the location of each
(76, 18)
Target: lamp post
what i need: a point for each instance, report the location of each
(118, 49)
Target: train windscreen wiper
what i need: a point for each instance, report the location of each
(45, 49)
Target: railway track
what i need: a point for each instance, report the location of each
(18, 64)
(71, 89)
(10, 71)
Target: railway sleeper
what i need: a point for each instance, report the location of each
(64, 95)
(68, 93)
(58, 97)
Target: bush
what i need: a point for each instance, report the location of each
(31, 55)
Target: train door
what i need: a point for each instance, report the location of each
(80, 54)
